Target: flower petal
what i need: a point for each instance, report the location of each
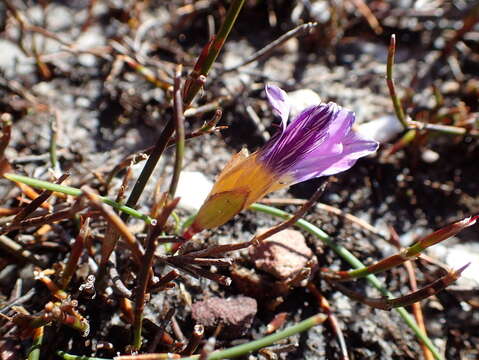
(304, 135)
(279, 101)
(354, 147)
(340, 125)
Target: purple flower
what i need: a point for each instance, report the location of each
(317, 142)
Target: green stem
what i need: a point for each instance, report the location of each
(213, 51)
(53, 143)
(222, 34)
(247, 348)
(390, 82)
(66, 356)
(34, 351)
(162, 142)
(352, 260)
(150, 165)
(40, 184)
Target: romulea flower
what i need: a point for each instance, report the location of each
(319, 141)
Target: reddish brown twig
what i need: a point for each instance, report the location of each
(38, 201)
(332, 319)
(75, 253)
(406, 300)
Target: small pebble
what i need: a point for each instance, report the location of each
(429, 156)
(301, 99)
(456, 256)
(282, 255)
(236, 314)
(193, 188)
(382, 129)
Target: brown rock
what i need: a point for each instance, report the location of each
(235, 313)
(283, 255)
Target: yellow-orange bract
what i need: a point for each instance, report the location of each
(243, 181)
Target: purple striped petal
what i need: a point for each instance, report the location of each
(279, 101)
(318, 142)
(302, 136)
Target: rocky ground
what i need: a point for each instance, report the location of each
(64, 67)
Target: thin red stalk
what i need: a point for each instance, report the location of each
(37, 202)
(407, 254)
(75, 253)
(145, 270)
(332, 319)
(406, 300)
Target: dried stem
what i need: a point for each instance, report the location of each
(368, 15)
(445, 129)
(117, 283)
(149, 75)
(297, 31)
(113, 219)
(292, 220)
(161, 330)
(406, 300)
(45, 219)
(143, 277)
(27, 210)
(332, 319)
(53, 141)
(75, 192)
(17, 250)
(468, 24)
(75, 253)
(195, 339)
(179, 130)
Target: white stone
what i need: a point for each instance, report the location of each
(456, 256)
(91, 38)
(59, 18)
(382, 129)
(429, 156)
(193, 188)
(301, 99)
(87, 60)
(13, 61)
